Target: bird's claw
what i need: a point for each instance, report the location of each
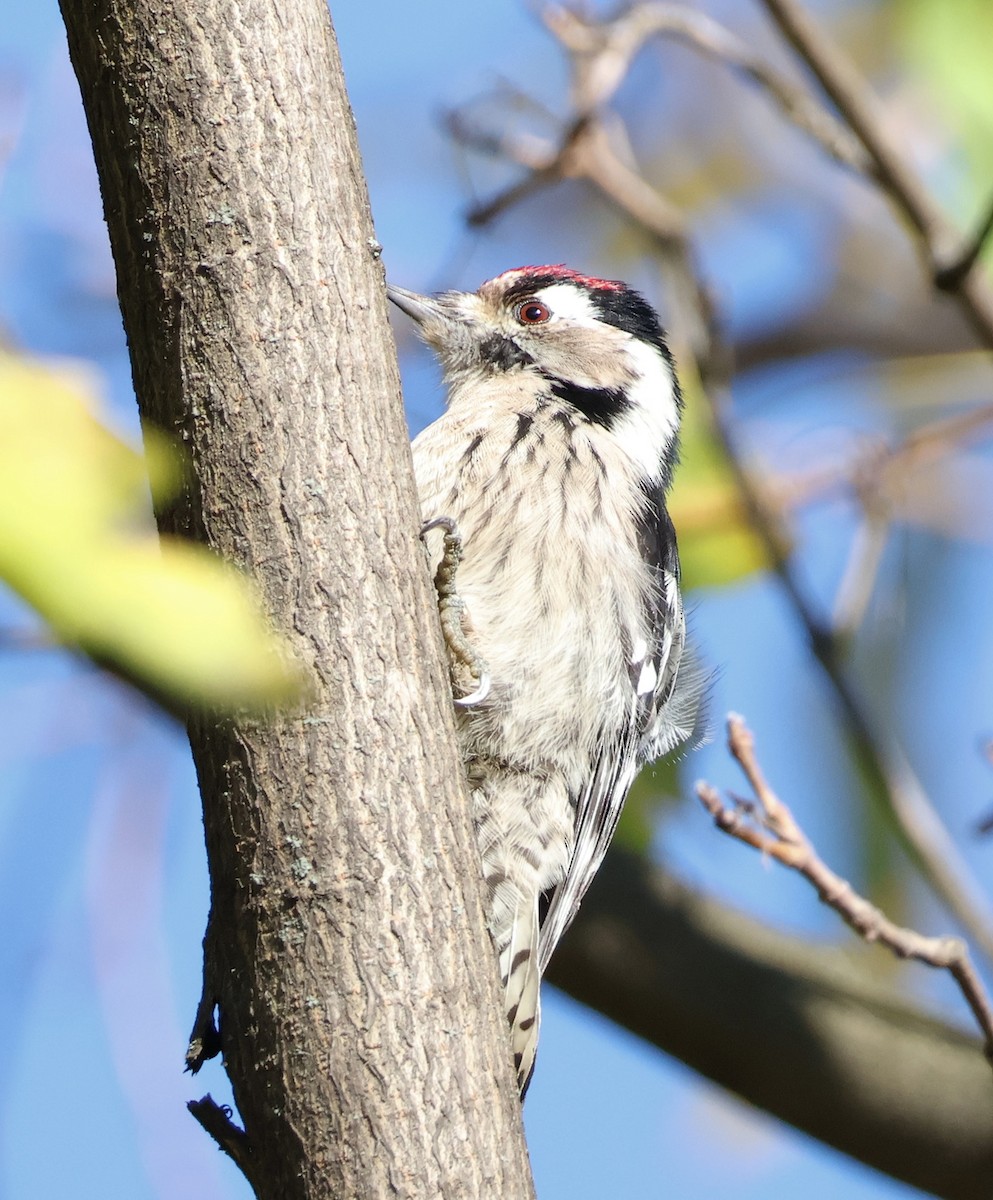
(479, 695)
(446, 523)
(471, 682)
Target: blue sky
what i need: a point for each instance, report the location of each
(102, 876)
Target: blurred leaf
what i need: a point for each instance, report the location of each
(716, 543)
(948, 43)
(76, 543)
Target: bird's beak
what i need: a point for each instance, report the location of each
(421, 308)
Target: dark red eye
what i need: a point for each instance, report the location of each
(532, 312)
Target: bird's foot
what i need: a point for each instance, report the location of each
(470, 679)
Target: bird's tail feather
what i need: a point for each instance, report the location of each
(521, 983)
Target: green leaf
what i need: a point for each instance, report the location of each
(717, 545)
(948, 42)
(77, 543)
(656, 787)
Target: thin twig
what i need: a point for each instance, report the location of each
(883, 763)
(774, 831)
(24, 640)
(871, 469)
(546, 162)
(858, 580)
(984, 825)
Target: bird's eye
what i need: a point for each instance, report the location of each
(532, 312)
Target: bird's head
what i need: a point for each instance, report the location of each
(594, 343)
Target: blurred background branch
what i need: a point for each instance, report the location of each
(945, 250)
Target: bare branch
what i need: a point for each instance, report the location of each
(772, 828)
(546, 162)
(603, 53)
(939, 240)
(872, 470)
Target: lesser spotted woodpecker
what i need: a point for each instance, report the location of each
(553, 460)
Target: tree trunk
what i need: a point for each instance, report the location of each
(346, 954)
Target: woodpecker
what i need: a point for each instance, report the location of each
(548, 473)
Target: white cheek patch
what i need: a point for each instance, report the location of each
(647, 428)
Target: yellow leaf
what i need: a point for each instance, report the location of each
(948, 44)
(77, 543)
(716, 542)
(656, 788)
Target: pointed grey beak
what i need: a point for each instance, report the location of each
(420, 308)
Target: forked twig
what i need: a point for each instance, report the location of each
(769, 826)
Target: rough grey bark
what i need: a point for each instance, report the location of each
(346, 955)
(793, 1028)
